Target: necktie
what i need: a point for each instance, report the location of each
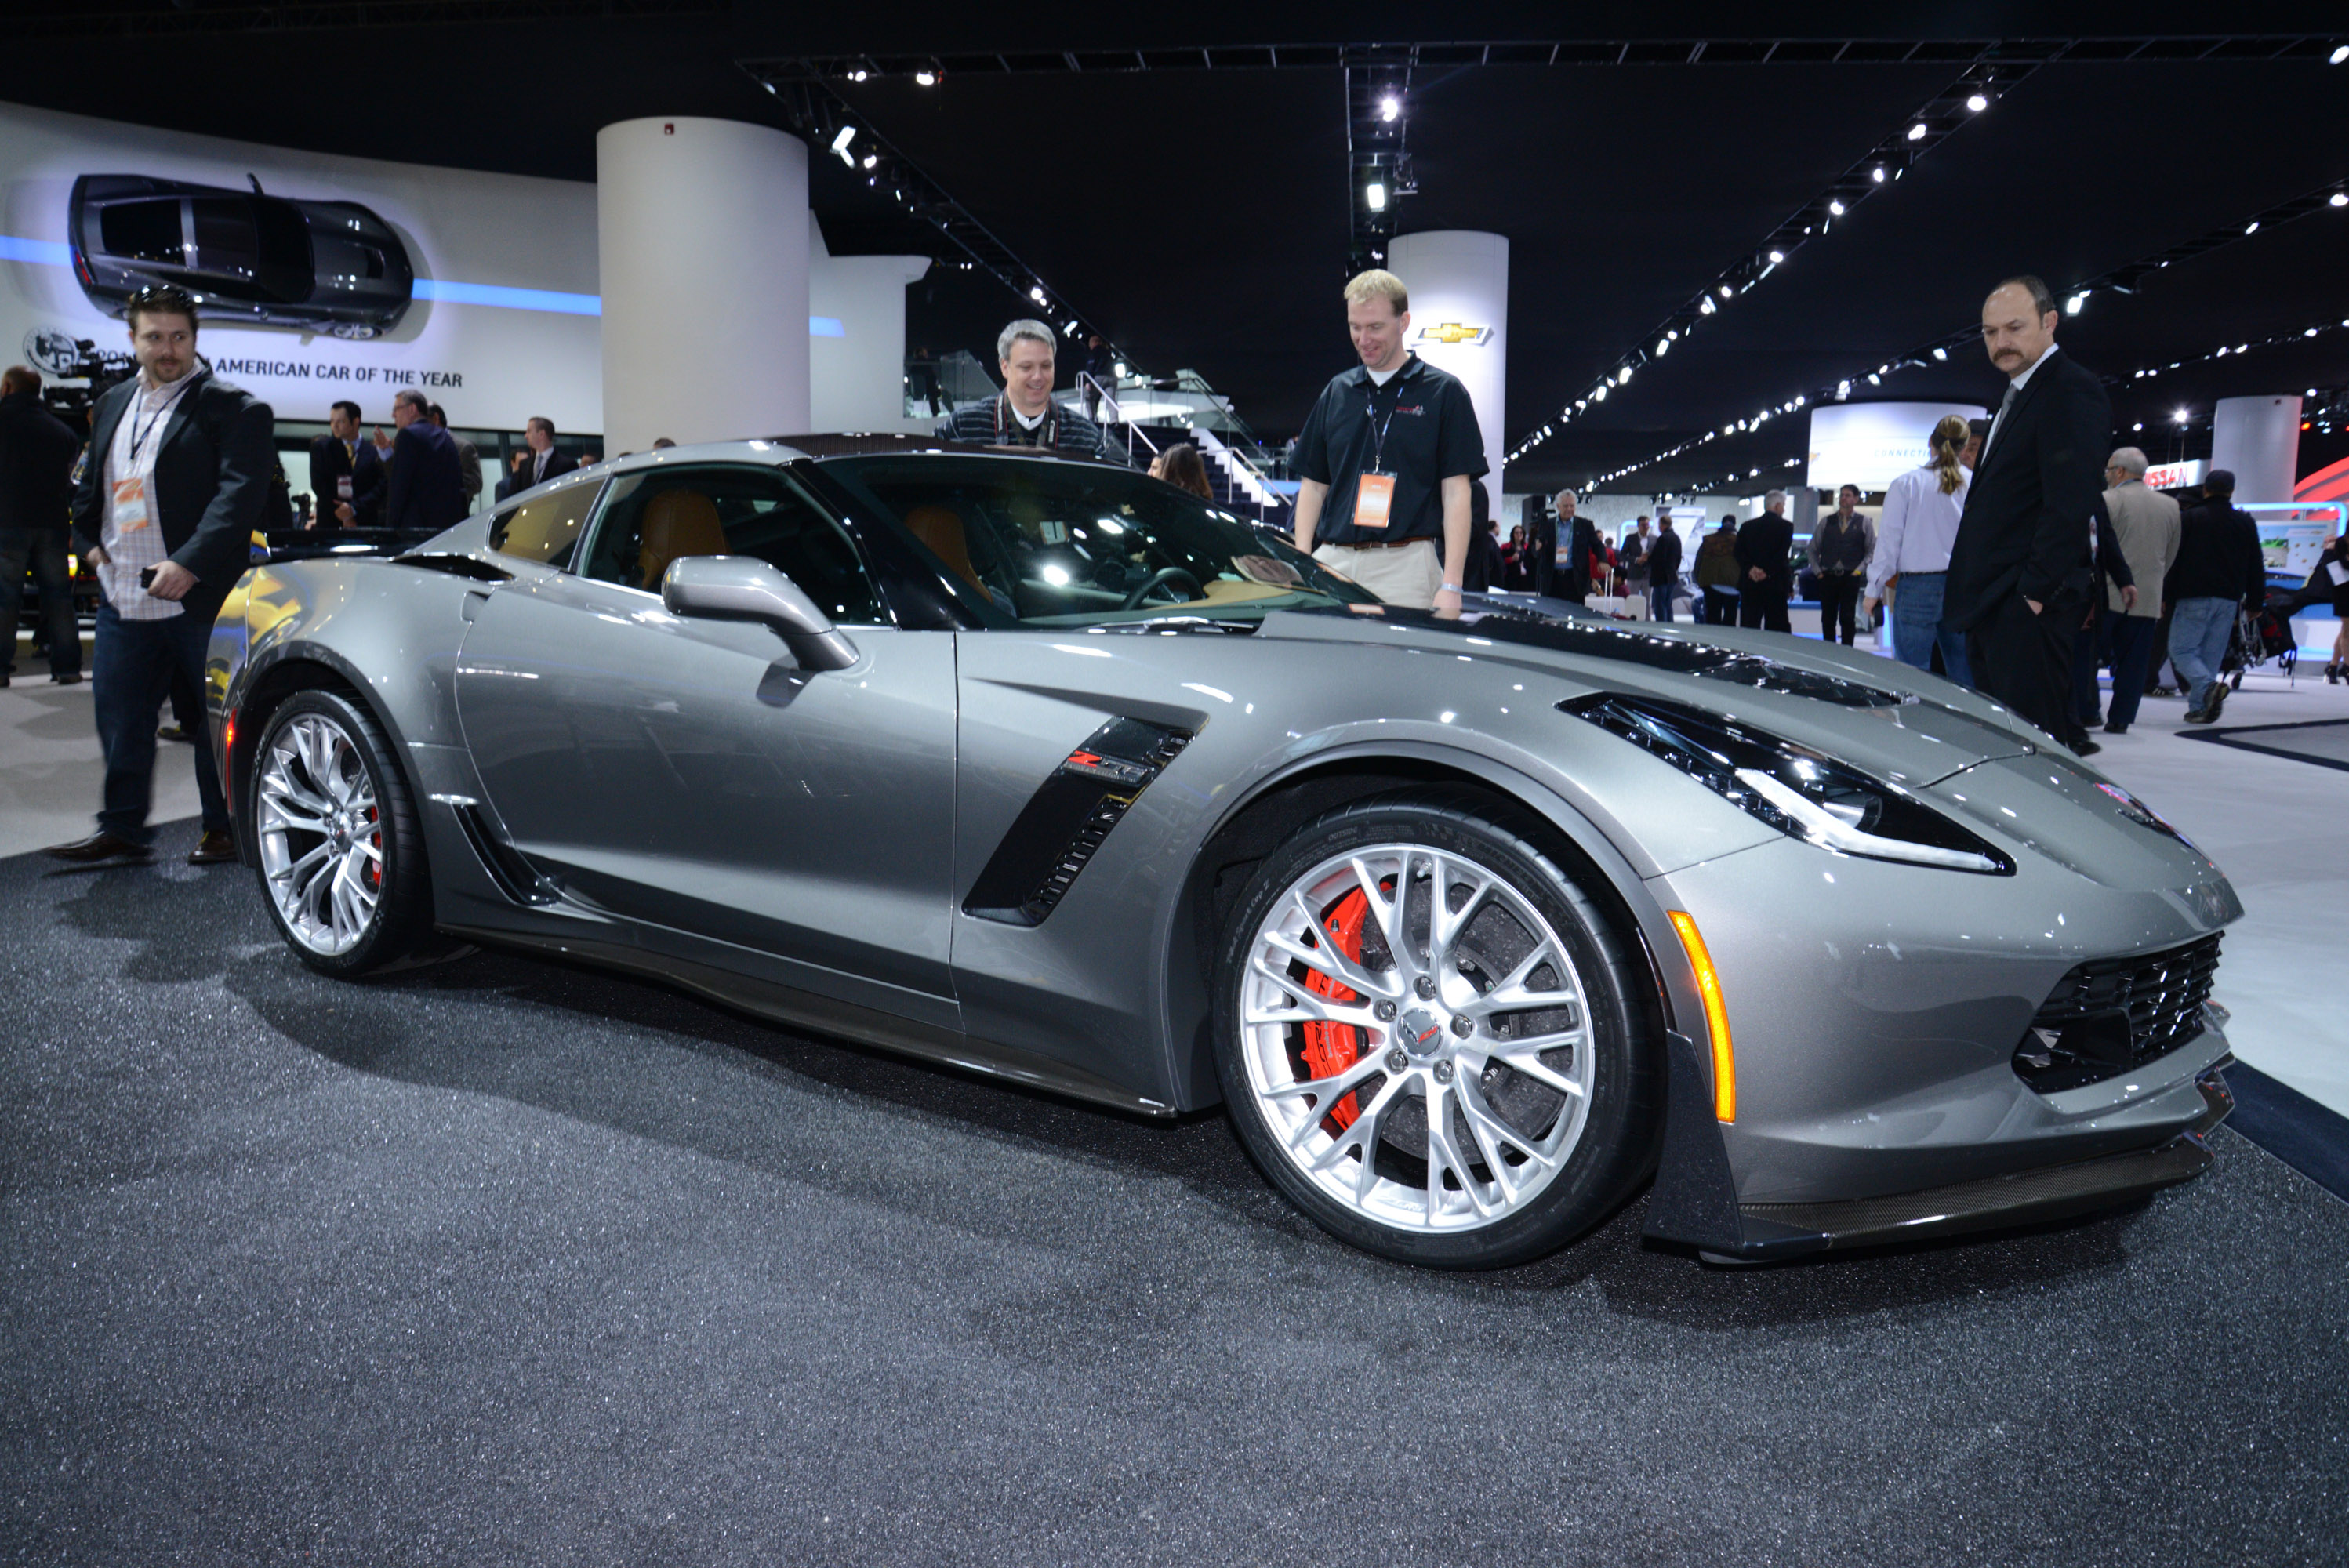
(1998, 423)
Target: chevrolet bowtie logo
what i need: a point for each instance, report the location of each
(1453, 332)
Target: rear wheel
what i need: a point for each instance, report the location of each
(342, 855)
(1431, 1037)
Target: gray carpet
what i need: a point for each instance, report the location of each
(497, 1261)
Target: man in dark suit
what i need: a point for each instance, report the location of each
(1541, 541)
(346, 475)
(541, 463)
(177, 473)
(36, 458)
(1571, 549)
(426, 491)
(2019, 569)
(1764, 577)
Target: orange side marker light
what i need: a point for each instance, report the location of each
(1716, 1017)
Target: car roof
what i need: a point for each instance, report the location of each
(834, 444)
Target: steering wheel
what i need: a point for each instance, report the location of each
(1160, 578)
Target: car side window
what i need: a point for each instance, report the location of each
(545, 528)
(655, 516)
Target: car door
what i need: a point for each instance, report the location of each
(687, 775)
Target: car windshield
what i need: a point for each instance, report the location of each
(1036, 542)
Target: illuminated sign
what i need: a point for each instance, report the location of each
(2174, 476)
(1452, 332)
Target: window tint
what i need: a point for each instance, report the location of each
(1043, 542)
(143, 231)
(544, 528)
(655, 516)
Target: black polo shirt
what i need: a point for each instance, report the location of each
(1429, 435)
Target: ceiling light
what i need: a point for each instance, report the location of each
(858, 76)
(840, 145)
(2338, 55)
(1879, 175)
(928, 79)
(1705, 304)
(1917, 131)
(1835, 208)
(1798, 402)
(871, 159)
(1724, 291)
(2072, 306)
(2180, 416)
(1778, 256)
(2338, 199)
(1940, 354)
(2137, 427)
(1037, 295)
(1390, 107)
(1599, 396)
(1375, 194)
(1977, 103)
(2252, 227)
(1664, 346)
(1874, 380)
(1626, 378)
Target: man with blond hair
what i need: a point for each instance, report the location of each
(1386, 459)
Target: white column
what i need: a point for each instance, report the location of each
(702, 235)
(2258, 438)
(1459, 284)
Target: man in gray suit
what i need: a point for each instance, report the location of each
(2146, 523)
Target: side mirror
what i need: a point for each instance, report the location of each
(741, 588)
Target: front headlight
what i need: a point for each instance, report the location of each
(1797, 791)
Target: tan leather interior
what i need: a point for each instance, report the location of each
(940, 530)
(677, 523)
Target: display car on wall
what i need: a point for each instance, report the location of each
(1048, 769)
(324, 266)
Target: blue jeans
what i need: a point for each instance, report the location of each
(2199, 630)
(129, 677)
(1661, 598)
(1917, 626)
(44, 549)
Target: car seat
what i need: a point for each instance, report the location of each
(941, 532)
(677, 522)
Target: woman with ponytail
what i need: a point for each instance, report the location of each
(1913, 537)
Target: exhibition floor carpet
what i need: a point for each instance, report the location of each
(499, 1261)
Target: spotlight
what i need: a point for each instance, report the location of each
(1626, 378)
(1977, 103)
(1390, 107)
(1874, 380)
(871, 159)
(840, 145)
(1376, 195)
(1940, 354)
(2179, 417)
(2338, 55)
(1917, 131)
(1037, 295)
(1664, 346)
(858, 76)
(2072, 306)
(1599, 396)
(1879, 175)
(1724, 291)
(1798, 402)
(2338, 199)
(2252, 227)
(1705, 305)
(1778, 256)
(1835, 208)
(2139, 426)
(928, 79)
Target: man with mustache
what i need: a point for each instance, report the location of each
(2019, 568)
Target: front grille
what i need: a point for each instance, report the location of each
(2113, 1014)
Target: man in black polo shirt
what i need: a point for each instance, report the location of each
(1386, 460)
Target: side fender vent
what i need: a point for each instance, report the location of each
(515, 876)
(1066, 821)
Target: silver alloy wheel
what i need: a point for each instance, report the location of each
(1496, 1063)
(321, 833)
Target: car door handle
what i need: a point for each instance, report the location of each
(474, 599)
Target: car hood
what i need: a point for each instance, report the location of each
(1903, 725)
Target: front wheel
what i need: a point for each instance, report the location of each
(342, 854)
(1431, 1038)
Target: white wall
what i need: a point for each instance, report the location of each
(1459, 279)
(856, 379)
(489, 366)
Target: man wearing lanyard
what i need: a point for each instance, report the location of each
(170, 493)
(346, 479)
(1385, 461)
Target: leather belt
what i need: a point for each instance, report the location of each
(1384, 543)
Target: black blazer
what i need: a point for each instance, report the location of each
(211, 479)
(36, 458)
(328, 463)
(426, 490)
(1765, 542)
(2025, 531)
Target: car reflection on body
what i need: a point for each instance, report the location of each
(1050, 770)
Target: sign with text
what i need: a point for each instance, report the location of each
(1872, 444)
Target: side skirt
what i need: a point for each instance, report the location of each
(804, 1009)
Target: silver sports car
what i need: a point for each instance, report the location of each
(1050, 771)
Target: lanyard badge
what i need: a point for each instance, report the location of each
(133, 507)
(1374, 491)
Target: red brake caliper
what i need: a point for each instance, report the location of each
(1332, 1048)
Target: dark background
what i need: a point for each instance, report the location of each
(1200, 218)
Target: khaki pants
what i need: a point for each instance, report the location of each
(1407, 577)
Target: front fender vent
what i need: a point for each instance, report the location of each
(1067, 820)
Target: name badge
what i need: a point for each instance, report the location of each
(342, 488)
(132, 508)
(1374, 500)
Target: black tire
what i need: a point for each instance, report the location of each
(1593, 1174)
(382, 815)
